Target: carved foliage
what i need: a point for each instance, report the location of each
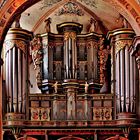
(102, 114)
(68, 35)
(120, 44)
(37, 56)
(103, 54)
(16, 43)
(40, 114)
(70, 8)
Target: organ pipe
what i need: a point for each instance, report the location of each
(16, 43)
(127, 78)
(117, 82)
(122, 86)
(125, 72)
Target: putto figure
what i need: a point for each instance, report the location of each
(86, 87)
(55, 85)
(47, 25)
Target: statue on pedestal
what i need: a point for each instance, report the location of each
(92, 25)
(47, 25)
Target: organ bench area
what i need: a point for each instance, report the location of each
(88, 85)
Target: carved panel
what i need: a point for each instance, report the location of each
(40, 114)
(80, 110)
(102, 114)
(61, 112)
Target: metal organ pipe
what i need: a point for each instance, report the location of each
(125, 73)
(7, 80)
(10, 81)
(16, 42)
(24, 77)
(127, 78)
(118, 94)
(122, 72)
(15, 75)
(19, 81)
(131, 82)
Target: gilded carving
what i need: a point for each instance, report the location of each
(102, 114)
(120, 44)
(103, 54)
(36, 51)
(70, 8)
(40, 114)
(92, 44)
(16, 43)
(68, 35)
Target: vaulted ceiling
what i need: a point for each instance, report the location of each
(74, 11)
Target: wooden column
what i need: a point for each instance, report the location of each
(1, 134)
(70, 87)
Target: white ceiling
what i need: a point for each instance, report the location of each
(33, 18)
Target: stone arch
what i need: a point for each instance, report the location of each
(12, 8)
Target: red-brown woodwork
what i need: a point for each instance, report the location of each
(70, 138)
(117, 137)
(28, 138)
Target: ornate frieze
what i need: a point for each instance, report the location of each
(70, 8)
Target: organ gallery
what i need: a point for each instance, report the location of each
(73, 76)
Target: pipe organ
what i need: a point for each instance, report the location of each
(67, 55)
(86, 81)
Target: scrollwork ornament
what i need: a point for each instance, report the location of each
(73, 35)
(37, 56)
(16, 43)
(68, 35)
(120, 44)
